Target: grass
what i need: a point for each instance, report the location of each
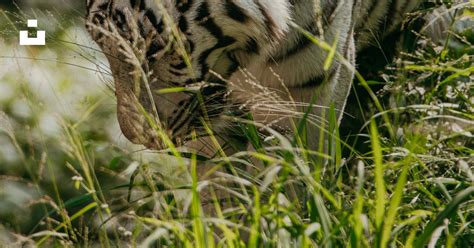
(407, 183)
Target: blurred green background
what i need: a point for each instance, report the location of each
(42, 91)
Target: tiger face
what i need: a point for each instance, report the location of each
(169, 60)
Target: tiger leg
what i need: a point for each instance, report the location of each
(332, 92)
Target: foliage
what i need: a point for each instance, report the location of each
(67, 177)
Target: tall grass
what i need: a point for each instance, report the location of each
(411, 184)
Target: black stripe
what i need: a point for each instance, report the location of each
(392, 11)
(120, 20)
(89, 6)
(314, 81)
(158, 25)
(293, 2)
(179, 66)
(269, 22)
(183, 5)
(183, 24)
(119, 17)
(140, 4)
(251, 46)
(103, 6)
(328, 11)
(235, 12)
(302, 43)
(188, 111)
(205, 20)
(152, 50)
(233, 67)
(177, 114)
(363, 19)
(176, 73)
(141, 27)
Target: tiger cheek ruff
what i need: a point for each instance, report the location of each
(225, 58)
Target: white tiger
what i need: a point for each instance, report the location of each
(229, 57)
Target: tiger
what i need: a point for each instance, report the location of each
(183, 68)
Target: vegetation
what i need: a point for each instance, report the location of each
(68, 177)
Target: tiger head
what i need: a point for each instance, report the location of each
(170, 58)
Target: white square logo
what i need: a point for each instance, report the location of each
(39, 40)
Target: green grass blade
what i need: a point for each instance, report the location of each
(332, 53)
(200, 235)
(64, 224)
(394, 204)
(357, 226)
(379, 175)
(447, 213)
(321, 213)
(335, 143)
(255, 229)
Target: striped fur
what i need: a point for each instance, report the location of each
(230, 57)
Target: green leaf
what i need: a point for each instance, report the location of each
(379, 175)
(394, 204)
(447, 213)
